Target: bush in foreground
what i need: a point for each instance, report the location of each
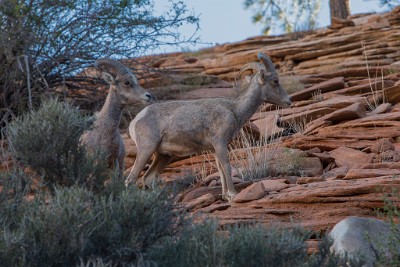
(76, 225)
(48, 141)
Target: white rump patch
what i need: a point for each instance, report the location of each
(133, 123)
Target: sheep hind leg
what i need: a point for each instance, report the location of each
(150, 178)
(222, 177)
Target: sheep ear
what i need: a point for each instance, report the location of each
(108, 78)
(262, 77)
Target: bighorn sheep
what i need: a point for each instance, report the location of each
(181, 128)
(124, 90)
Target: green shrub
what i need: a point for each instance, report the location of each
(199, 245)
(259, 246)
(388, 250)
(48, 141)
(203, 245)
(75, 225)
(14, 188)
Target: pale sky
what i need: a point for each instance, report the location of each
(226, 21)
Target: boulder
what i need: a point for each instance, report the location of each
(366, 238)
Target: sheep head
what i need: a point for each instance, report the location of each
(123, 81)
(266, 77)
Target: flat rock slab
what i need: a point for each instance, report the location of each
(318, 205)
(349, 157)
(369, 173)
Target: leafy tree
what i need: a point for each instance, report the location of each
(389, 3)
(44, 43)
(290, 14)
(280, 13)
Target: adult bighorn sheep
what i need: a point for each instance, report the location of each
(180, 128)
(124, 90)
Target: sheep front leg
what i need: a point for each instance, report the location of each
(221, 152)
(142, 158)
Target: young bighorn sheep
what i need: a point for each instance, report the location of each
(181, 128)
(124, 90)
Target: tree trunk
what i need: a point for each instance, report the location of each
(339, 8)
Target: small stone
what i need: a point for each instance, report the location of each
(253, 192)
(382, 146)
(311, 166)
(274, 185)
(336, 173)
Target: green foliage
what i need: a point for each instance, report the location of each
(388, 251)
(204, 245)
(288, 16)
(14, 188)
(76, 225)
(48, 141)
(389, 3)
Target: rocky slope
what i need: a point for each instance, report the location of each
(334, 153)
(342, 134)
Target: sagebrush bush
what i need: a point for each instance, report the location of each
(204, 245)
(75, 225)
(48, 140)
(14, 189)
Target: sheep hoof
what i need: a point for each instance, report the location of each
(128, 182)
(229, 196)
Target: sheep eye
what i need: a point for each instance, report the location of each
(127, 83)
(276, 82)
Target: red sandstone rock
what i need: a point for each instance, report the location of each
(252, 192)
(369, 173)
(200, 202)
(308, 180)
(268, 126)
(336, 173)
(350, 158)
(382, 145)
(309, 166)
(274, 185)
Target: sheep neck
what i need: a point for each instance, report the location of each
(110, 114)
(247, 103)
